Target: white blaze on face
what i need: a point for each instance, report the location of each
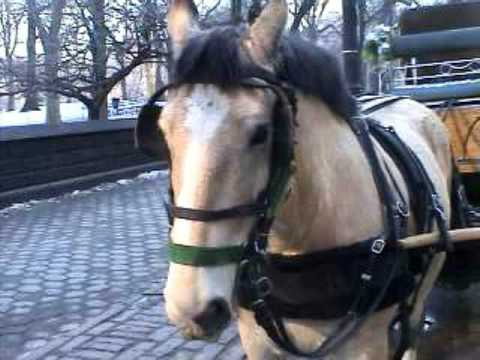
(206, 110)
(188, 289)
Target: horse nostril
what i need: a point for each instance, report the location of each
(215, 316)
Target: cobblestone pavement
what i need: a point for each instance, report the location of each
(81, 278)
(138, 331)
(67, 262)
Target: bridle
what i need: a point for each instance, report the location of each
(266, 205)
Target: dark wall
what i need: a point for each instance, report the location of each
(35, 155)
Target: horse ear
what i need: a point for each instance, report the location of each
(264, 34)
(181, 23)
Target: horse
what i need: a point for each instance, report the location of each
(220, 127)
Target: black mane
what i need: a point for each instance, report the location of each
(215, 57)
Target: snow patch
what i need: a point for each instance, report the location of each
(108, 186)
(70, 112)
(152, 174)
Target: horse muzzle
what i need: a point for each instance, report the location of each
(209, 324)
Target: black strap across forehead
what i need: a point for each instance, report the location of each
(148, 137)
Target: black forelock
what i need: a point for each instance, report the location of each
(215, 57)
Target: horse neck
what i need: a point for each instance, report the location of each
(333, 200)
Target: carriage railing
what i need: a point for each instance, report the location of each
(452, 88)
(439, 72)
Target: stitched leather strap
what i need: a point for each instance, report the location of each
(215, 215)
(207, 256)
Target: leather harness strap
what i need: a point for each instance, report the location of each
(364, 304)
(216, 215)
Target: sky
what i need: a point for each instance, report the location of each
(334, 6)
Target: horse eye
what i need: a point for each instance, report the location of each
(260, 135)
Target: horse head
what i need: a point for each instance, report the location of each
(219, 135)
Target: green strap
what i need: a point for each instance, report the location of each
(204, 256)
(278, 191)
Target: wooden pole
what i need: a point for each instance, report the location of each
(421, 240)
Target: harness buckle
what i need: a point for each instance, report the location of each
(260, 284)
(444, 243)
(262, 312)
(260, 248)
(366, 276)
(437, 207)
(402, 210)
(263, 286)
(378, 246)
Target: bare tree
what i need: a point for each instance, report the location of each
(31, 92)
(307, 17)
(98, 49)
(48, 21)
(299, 12)
(11, 14)
(103, 43)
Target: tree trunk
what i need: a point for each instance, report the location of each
(51, 73)
(31, 94)
(11, 103)
(123, 82)
(158, 76)
(53, 109)
(97, 110)
(236, 11)
(98, 47)
(51, 45)
(150, 79)
(93, 112)
(11, 86)
(123, 86)
(104, 110)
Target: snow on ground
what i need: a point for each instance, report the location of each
(70, 112)
(106, 186)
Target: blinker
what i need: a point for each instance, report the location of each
(148, 138)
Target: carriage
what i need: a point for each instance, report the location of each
(440, 66)
(437, 62)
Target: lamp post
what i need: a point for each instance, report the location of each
(351, 51)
